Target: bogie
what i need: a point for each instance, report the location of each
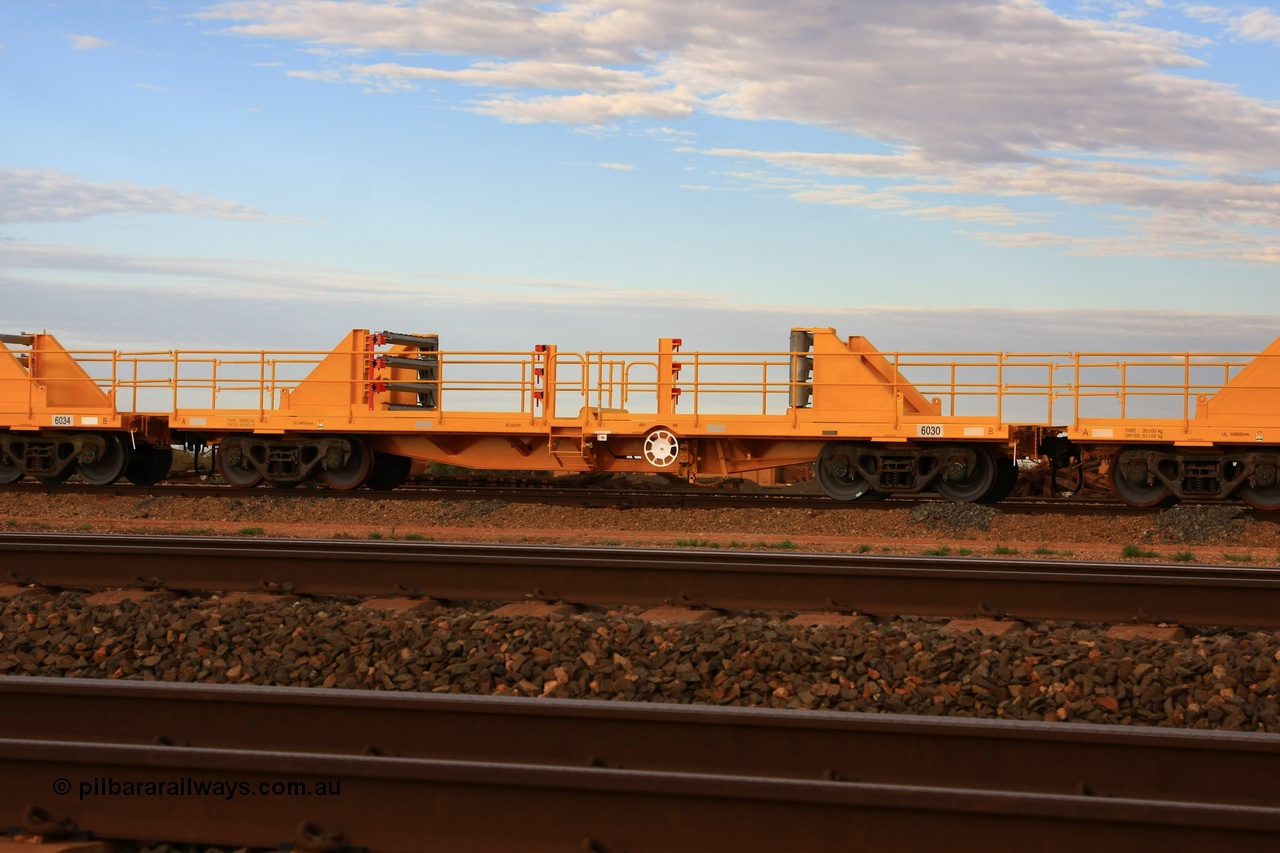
(52, 458)
(961, 472)
(1148, 476)
(341, 462)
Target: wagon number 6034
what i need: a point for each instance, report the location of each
(62, 420)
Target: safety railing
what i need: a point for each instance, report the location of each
(1132, 380)
(1025, 388)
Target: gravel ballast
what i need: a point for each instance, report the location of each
(1049, 671)
(1227, 680)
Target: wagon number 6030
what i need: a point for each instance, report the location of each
(929, 430)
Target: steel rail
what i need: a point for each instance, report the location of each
(1228, 768)
(629, 498)
(411, 803)
(1219, 596)
(405, 805)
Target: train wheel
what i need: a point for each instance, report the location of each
(236, 469)
(106, 467)
(351, 473)
(389, 470)
(661, 448)
(9, 471)
(1266, 499)
(1264, 494)
(1006, 481)
(838, 477)
(1133, 482)
(964, 483)
(148, 465)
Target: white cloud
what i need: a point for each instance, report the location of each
(510, 75)
(1254, 25)
(80, 285)
(1257, 25)
(589, 109)
(900, 72)
(87, 42)
(989, 98)
(621, 167)
(1174, 212)
(22, 254)
(50, 195)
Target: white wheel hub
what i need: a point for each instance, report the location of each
(661, 448)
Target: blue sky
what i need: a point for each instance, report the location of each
(989, 175)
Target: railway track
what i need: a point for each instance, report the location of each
(622, 498)
(410, 772)
(1219, 596)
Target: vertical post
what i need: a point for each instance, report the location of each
(135, 383)
(953, 389)
(31, 375)
(549, 398)
(526, 386)
(370, 344)
(115, 364)
(1124, 387)
(897, 396)
(1186, 392)
(666, 376)
(764, 389)
(1000, 394)
(1075, 392)
(1053, 369)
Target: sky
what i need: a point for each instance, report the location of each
(992, 175)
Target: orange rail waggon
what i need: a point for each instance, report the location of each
(1168, 425)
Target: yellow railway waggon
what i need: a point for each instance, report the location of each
(1168, 425)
